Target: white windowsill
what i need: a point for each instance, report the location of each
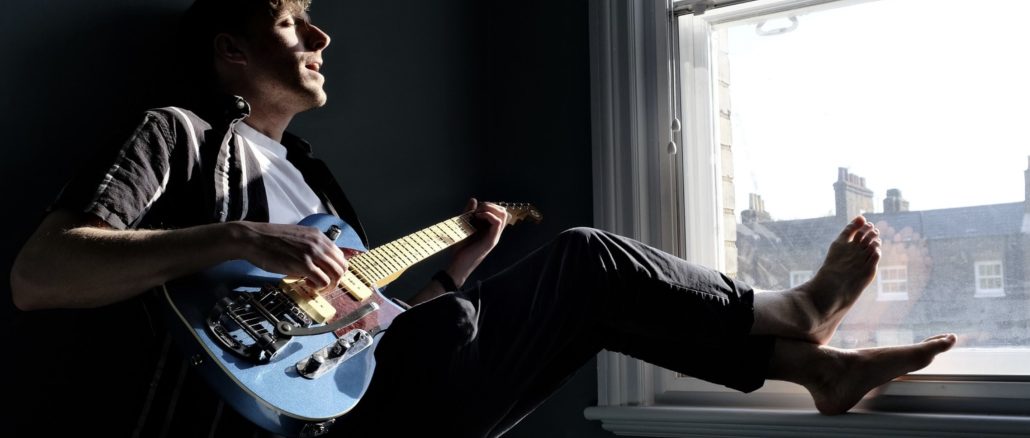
(989, 293)
(677, 421)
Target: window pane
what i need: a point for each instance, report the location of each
(887, 109)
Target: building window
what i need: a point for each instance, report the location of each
(797, 278)
(989, 279)
(892, 283)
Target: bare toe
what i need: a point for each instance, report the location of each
(870, 237)
(848, 233)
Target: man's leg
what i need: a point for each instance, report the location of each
(812, 311)
(542, 318)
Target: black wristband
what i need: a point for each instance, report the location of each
(445, 280)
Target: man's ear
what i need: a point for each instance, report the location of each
(230, 49)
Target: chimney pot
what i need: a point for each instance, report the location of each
(852, 196)
(894, 203)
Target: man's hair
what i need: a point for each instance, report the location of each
(207, 18)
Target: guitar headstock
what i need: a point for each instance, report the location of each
(520, 211)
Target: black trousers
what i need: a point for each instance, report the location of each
(475, 362)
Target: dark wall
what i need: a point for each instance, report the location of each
(429, 103)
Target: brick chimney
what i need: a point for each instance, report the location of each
(756, 210)
(894, 203)
(853, 198)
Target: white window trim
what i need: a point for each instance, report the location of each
(638, 174)
(882, 295)
(988, 293)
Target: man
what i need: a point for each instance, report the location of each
(222, 179)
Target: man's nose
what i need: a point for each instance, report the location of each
(317, 39)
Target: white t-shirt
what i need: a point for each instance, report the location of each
(289, 197)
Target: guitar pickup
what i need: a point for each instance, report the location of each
(330, 356)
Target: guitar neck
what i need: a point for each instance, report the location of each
(385, 263)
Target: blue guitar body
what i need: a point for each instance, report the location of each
(271, 392)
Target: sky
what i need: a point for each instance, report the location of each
(931, 97)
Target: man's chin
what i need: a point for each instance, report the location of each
(316, 100)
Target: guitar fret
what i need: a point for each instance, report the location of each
(416, 241)
(362, 266)
(452, 227)
(414, 246)
(411, 251)
(388, 258)
(392, 257)
(441, 238)
(382, 261)
(377, 269)
(425, 242)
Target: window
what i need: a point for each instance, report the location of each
(989, 281)
(797, 278)
(755, 138)
(821, 113)
(892, 283)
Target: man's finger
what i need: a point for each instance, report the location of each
(316, 276)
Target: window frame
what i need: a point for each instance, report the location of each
(640, 171)
(988, 293)
(882, 295)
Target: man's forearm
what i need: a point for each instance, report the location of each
(84, 266)
(430, 291)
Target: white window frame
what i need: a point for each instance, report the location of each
(989, 293)
(881, 293)
(797, 278)
(639, 172)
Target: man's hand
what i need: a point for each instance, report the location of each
(490, 220)
(292, 250)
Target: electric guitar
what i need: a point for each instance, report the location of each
(287, 357)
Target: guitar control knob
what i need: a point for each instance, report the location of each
(342, 345)
(333, 233)
(313, 364)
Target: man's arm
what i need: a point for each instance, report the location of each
(471, 252)
(76, 260)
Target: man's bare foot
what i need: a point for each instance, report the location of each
(849, 267)
(845, 376)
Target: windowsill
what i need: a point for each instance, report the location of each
(989, 294)
(681, 421)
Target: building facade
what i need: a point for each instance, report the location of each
(964, 270)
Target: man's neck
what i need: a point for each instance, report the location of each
(271, 125)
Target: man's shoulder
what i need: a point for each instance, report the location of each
(178, 116)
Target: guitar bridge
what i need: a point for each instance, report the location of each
(245, 322)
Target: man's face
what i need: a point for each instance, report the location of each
(284, 56)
